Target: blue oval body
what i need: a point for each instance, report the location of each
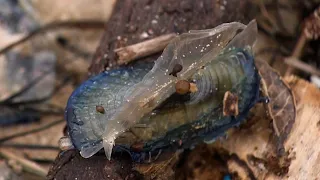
(181, 122)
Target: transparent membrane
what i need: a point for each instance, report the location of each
(192, 50)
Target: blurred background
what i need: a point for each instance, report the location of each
(46, 48)
(38, 75)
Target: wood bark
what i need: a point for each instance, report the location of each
(134, 21)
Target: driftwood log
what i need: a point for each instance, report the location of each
(248, 152)
(134, 21)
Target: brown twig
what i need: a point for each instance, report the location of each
(2, 140)
(92, 24)
(296, 63)
(311, 31)
(297, 52)
(27, 165)
(145, 48)
(30, 146)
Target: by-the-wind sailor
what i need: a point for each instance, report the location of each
(138, 109)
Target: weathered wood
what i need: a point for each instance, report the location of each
(70, 165)
(254, 142)
(134, 21)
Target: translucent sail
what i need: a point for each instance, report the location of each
(191, 50)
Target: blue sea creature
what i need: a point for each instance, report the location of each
(204, 83)
(227, 177)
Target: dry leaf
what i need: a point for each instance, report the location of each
(282, 107)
